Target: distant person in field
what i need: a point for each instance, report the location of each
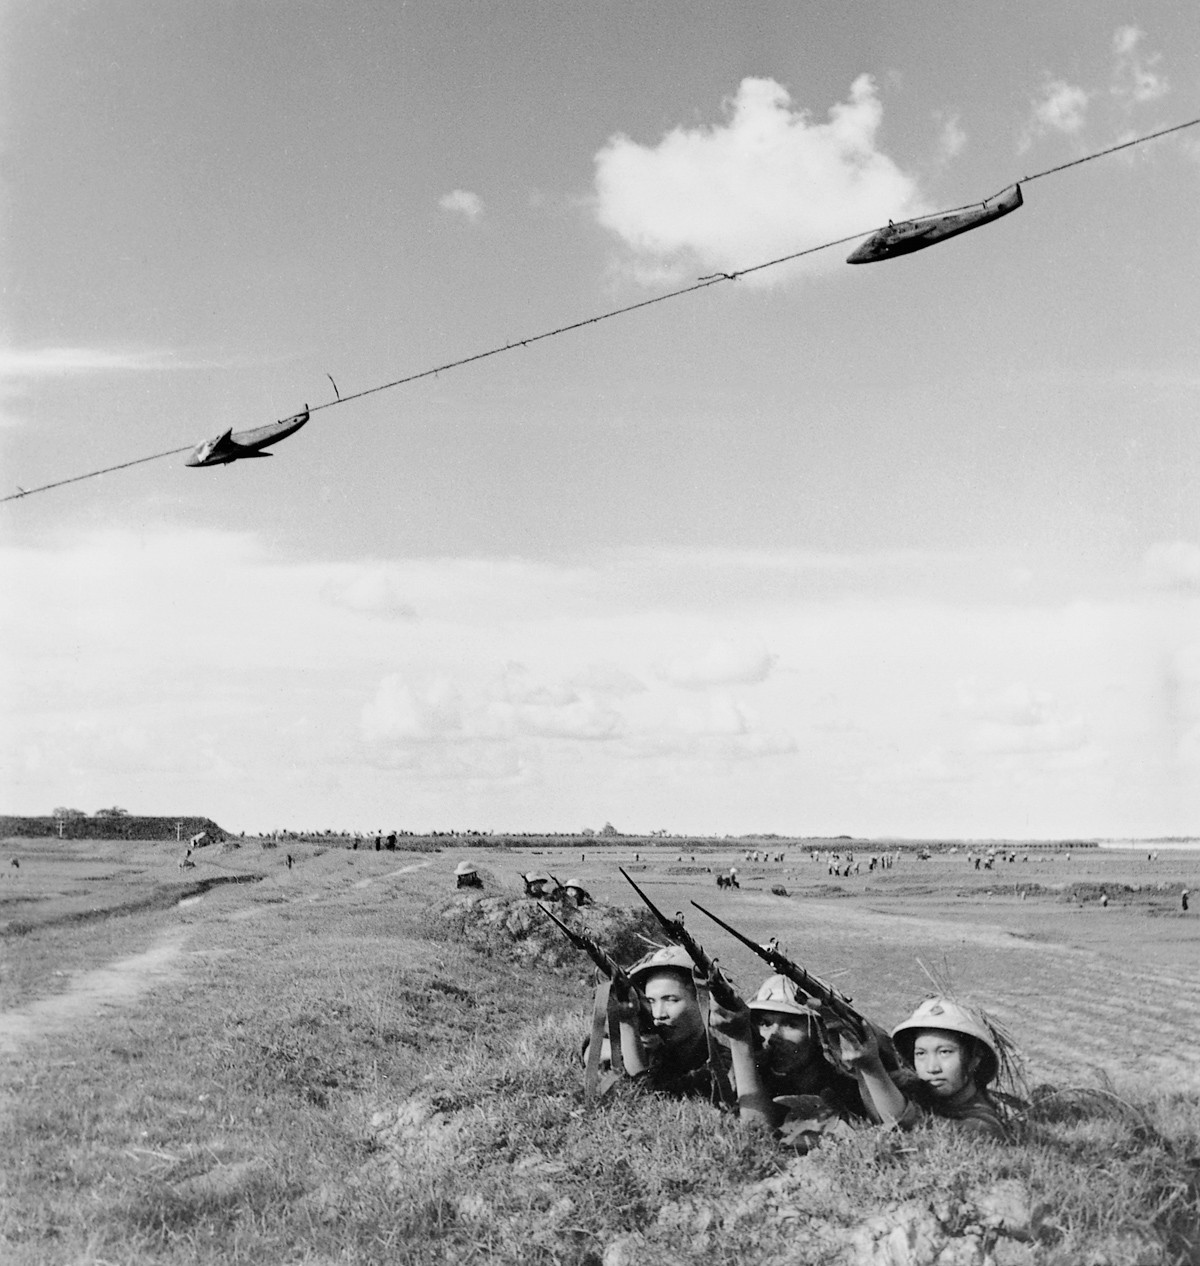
(953, 1057)
(779, 1061)
(1183, 898)
(675, 1059)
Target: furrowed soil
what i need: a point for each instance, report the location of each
(191, 1061)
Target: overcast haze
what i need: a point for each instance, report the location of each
(910, 548)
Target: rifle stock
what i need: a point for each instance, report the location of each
(719, 985)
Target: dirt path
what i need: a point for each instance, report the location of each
(122, 982)
(113, 985)
(403, 870)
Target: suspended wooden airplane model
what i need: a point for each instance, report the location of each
(228, 447)
(925, 230)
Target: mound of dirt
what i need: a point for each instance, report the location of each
(518, 928)
(995, 1222)
(1093, 892)
(1008, 890)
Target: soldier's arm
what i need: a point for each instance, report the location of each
(633, 1053)
(736, 1026)
(881, 1096)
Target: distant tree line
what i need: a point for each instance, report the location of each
(108, 824)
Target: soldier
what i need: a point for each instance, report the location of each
(955, 1057)
(679, 1061)
(466, 876)
(578, 893)
(535, 883)
(778, 1057)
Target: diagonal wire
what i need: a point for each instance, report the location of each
(91, 474)
(713, 279)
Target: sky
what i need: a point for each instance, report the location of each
(903, 549)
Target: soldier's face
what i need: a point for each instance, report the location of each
(789, 1043)
(943, 1060)
(673, 1007)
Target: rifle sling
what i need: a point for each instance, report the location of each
(591, 1074)
(616, 1054)
(722, 1090)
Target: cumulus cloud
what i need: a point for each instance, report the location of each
(1018, 720)
(766, 181)
(1062, 107)
(404, 712)
(506, 706)
(608, 679)
(951, 139)
(374, 590)
(462, 202)
(721, 663)
(1173, 565)
(1135, 77)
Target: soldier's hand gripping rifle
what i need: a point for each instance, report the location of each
(717, 983)
(832, 1004)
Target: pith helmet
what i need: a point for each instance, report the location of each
(464, 868)
(669, 958)
(572, 883)
(941, 1013)
(778, 993)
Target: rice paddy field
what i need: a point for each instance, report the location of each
(214, 1064)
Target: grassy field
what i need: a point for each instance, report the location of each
(347, 1062)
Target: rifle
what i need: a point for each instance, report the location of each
(826, 996)
(615, 986)
(603, 960)
(719, 985)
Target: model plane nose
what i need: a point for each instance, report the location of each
(200, 454)
(865, 253)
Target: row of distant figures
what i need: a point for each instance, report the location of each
(543, 887)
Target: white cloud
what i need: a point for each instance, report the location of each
(56, 362)
(403, 712)
(1135, 78)
(509, 704)
(462, 202)
(607, 678)
(376, 589)
(952, 139)
(932, 766)
(1173, 565)
(721, 663)
(1062, 107)
(527, 692)
(1018, 720)
(767, 181)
